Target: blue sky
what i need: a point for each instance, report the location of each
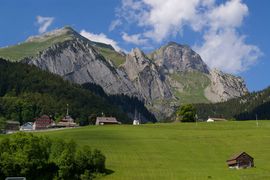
(230, 35)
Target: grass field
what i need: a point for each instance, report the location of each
(178, 150)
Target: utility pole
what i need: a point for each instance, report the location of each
(257, 123)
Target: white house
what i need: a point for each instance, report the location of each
(212, 119)
(136, 122)
(27, 126)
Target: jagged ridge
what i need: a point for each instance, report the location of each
(167, 77)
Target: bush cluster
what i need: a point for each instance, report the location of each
(37, 157)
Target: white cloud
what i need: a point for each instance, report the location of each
(217, 22)
(44, 23)
(134, 39)
(100, 38)
(115, 24)
(228, 51)
(228, 15)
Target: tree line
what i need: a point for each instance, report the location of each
(248, 107)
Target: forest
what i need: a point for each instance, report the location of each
(249, 107)
(27, 92)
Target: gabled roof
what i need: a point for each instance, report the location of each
(234, 157)
(28, 124)
(107, 119)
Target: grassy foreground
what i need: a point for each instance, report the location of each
(179, 150)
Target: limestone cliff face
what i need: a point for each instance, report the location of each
(79, 62)
(178, 58)
(145, 76)
(224, 87)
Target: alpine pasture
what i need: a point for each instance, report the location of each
(177, 150)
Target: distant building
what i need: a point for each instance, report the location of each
(213, 119)
(27, 126)
(12, 126)
(43, 122)
(106, 120)
(67, 121)
(136, 120)
(240, 160)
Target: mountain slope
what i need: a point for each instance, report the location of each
(166, 78)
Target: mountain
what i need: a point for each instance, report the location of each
(27, 92)
(246, 107)
(164, 79)
(189, 75)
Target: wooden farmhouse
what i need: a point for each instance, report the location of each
(106, 120)
(43, 122)
(213, 119)
(240, 160)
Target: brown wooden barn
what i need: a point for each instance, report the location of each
(106, 120)
(240, 160)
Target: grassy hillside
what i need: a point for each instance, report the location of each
(30, 49)
(179, 150)
(194, 84)
(116, 58)
(37, 44)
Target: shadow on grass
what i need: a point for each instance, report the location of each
(108, 172)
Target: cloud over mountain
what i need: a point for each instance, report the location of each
(222, 45)
(100, 38)
(44, 23)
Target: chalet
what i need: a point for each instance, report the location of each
(12, 126)
(27, 126)
(67, 121)
(43, 122)
(214, 119)
(240, 160)
(106, 120)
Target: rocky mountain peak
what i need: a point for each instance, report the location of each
(178, 58)
(65, 32)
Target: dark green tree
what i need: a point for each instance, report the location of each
(187, 113)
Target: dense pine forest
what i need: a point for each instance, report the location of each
(242, 108)
(27, 92)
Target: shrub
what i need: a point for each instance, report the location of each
(23, 154)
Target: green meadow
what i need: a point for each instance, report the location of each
(177, 150)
